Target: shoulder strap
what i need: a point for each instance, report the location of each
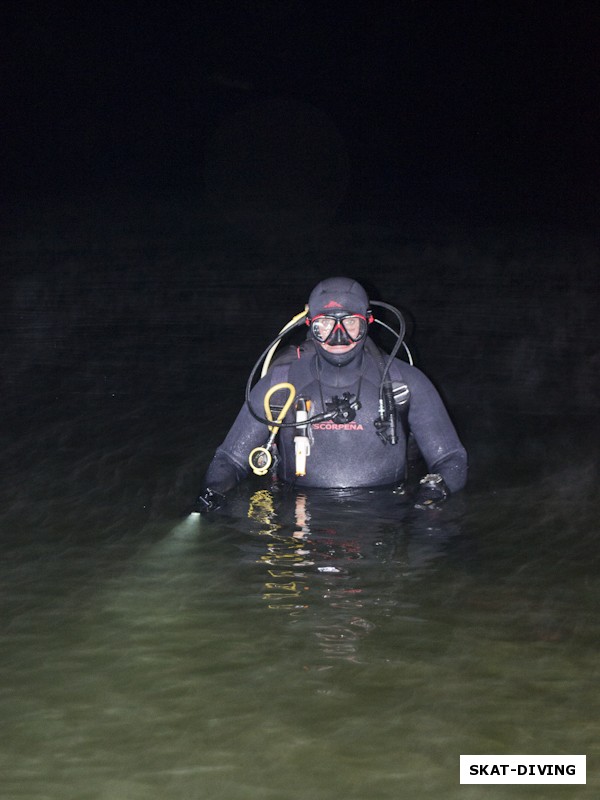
(400, 389)
(279, 374)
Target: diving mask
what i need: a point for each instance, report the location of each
(338, 329)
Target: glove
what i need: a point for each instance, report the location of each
(432, 492)
(209, 500)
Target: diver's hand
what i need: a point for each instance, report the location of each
(209, 500)
(432, 492)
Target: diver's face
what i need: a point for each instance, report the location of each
(340, 332)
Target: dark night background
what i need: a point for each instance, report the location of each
(175, 175)
(488, 109)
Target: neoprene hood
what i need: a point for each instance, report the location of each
(338, 294)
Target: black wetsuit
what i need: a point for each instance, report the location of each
(350, 454)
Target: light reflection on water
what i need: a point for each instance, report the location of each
(298, 647)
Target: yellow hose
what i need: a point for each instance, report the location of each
(260, 459)
(291, 397)
(290, 324)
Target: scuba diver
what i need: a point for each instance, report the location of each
(337, 412)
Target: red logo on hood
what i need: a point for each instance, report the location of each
(333, 304)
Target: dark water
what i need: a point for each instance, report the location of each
(294, 645)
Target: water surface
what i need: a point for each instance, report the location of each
(293, 645)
